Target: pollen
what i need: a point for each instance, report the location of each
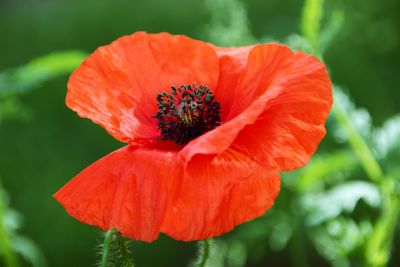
(187, 112)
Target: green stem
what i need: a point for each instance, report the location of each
(311, 23)
(124, 250)
(358, 144)
(377, 253)
(5, 244)
(107, 246)
(379, 244)
(204, 252)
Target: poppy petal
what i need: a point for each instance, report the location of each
(291, 126)
(128, 189)
(264, 64)
(117, 85)
(218, 193)
(232, 62)
(276, 84)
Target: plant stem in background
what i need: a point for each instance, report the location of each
(378, 247)
(5, 244)
(107, 247)
(311, 23)
(358, 145)
(311, 27)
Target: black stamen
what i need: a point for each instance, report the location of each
(187, 112)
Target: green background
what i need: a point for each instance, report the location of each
(40, 153)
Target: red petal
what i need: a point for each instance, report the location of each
(143, 191)
(286, 95)
(128, 189)
(291, 126)
(264, 64)
(218, 193)
(116, 86)
(233, 62)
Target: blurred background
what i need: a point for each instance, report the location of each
(342, 209)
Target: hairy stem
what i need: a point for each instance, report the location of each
(124, 251)
(107, 247)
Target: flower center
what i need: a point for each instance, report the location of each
(186, 113)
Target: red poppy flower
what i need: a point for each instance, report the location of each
(205, 155)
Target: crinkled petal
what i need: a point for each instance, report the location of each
(116, 86)
(218, 193)
(264, 64)
(276, 84)
(232, 62)
(128, 189)
(292, 124)
(143, 192)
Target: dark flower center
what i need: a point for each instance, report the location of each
(186, 113)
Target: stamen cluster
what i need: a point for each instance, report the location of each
(187, 112)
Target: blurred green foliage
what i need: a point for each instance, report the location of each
(38, 71)
(341, 210)
(20, 80)
(11, 242)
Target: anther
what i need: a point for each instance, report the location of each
(187, 112)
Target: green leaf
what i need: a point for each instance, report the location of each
(229, 24)
(12, 220)
(359, 117)
(29, 251)
(342, 198)
(37, 71)
(339, 237)
(322, 167)
(387, 138)
(298, 43)
(12, 108)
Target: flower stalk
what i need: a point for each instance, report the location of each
(115, 249)
(107, 247)
(204, 252)
(358, 145)
(378, 247)
(124, 251)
